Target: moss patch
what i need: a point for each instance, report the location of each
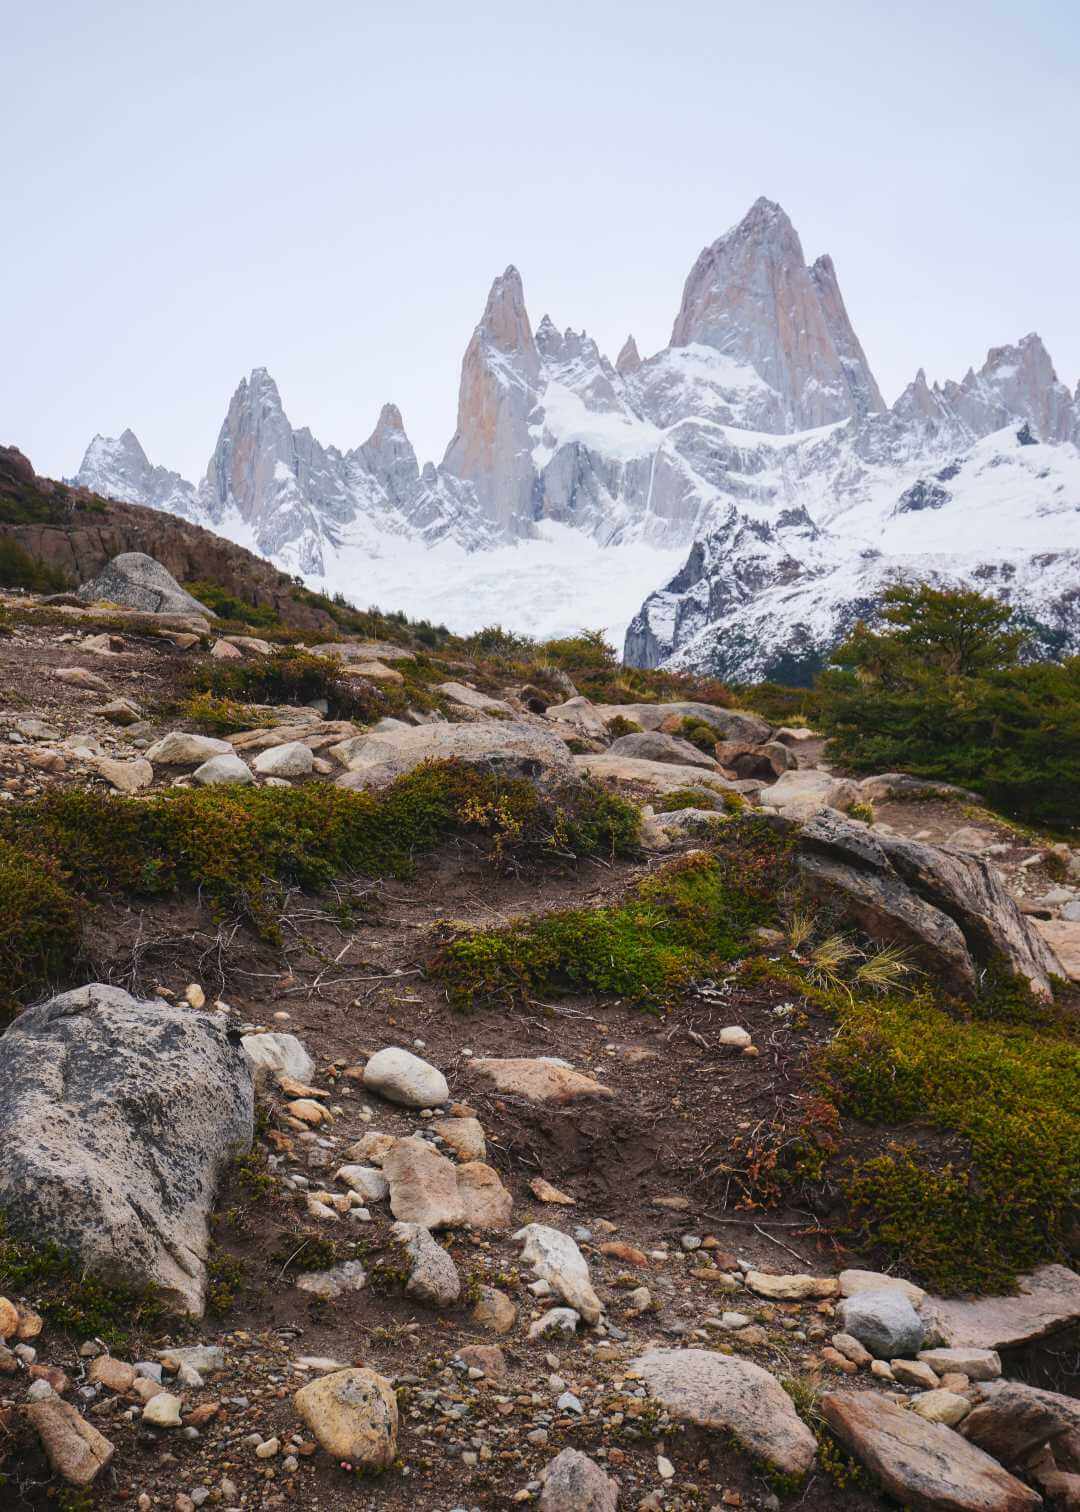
(39, 924)
(680, 924)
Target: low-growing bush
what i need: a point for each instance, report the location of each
(699, 734)
(239, 847)
(40, 923)
(685, 798)
(678, 925)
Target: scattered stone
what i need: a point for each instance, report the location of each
(117, 1117)
(976, 1364)
(544, 1079)
(852, 1282)
(115, 1375)
(723, 1393)
(485, 1201)
(560, 1321)
(423, 1185)
(126, 776)
(465, 1136)
(371, 1184)
(626, 1254)
(851, 1349)
(555, 1258)
(290, 760)
(180, 749)
(486, 1357)
(433, 1276)
(354, 1415)
(575, 1483)
(163, 1410)
(79, 677)
(543, 1191)
(914, 1373)
(223, 771)
(207, 1359)
(494, 1310)
(404, 1078)
(278, 1053)
(939, 1406)
(348, 1276)
(922, 1465)
(640, 1299)
(799, 1288)
(74, 1448)
(884, 1322)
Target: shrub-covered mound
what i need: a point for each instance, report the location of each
(944, 691)
(240, 847)
(680, 924)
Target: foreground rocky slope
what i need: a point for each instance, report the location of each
(493, 1257)
(757, 441)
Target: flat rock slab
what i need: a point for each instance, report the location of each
(1063, 938)
(540, 1079)
(1047, 1300)
(508, 747)
(661, 776)
(1010, 1419)
(925, 1466)
(730, 1395)
(117, 1117)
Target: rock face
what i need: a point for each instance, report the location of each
(951, 909)
(751, 297)
(354, 1416)
(136, 581)
(1048, 1300)
(117, 1117)
(730, 1395)
(925, 1466)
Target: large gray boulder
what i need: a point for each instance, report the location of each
(508, 747)
(729, 724)
(136, 581)
(654, 745)
(117, 1117)
(951, 909)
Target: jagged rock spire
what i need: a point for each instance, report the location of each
(751, 296)
(629, 358)
(500, 376)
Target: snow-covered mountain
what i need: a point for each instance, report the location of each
(755, 450)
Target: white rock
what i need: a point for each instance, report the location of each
(180, 749)
(291, 760)
(555, 1258)
(404, 1078)
(223, 771)
(279, 1052)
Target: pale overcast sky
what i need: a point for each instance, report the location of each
(194, 189)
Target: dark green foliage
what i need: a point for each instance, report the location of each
(228, 606)
(941, 692)
(295, 676)
(18, 569)
(685, 798)
(699, 734)
(619, 726)
(39, 924)
(778, 704)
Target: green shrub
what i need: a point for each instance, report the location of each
(619, 726)
(941, 692)
(295, 676)
(229, 606)
(699, 734)
(684, 798)
(39, 925)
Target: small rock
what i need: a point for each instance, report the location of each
(976, 1364)
(163, 1410)
(75, 1450)
(939, 1406)
(558, 1321)
(575, 1483)
(223, 771)
(543, 1191)
(914, 1373)
(555, 1258)
(736, 1036)
(884, 1322)
(798, 1288)
(433, 1276)
(494, 1310)
(404, 1078)
(354, 1415)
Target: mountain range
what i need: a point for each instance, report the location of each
(754, 454)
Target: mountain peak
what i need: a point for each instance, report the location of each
(751, 297)
(629, 358)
